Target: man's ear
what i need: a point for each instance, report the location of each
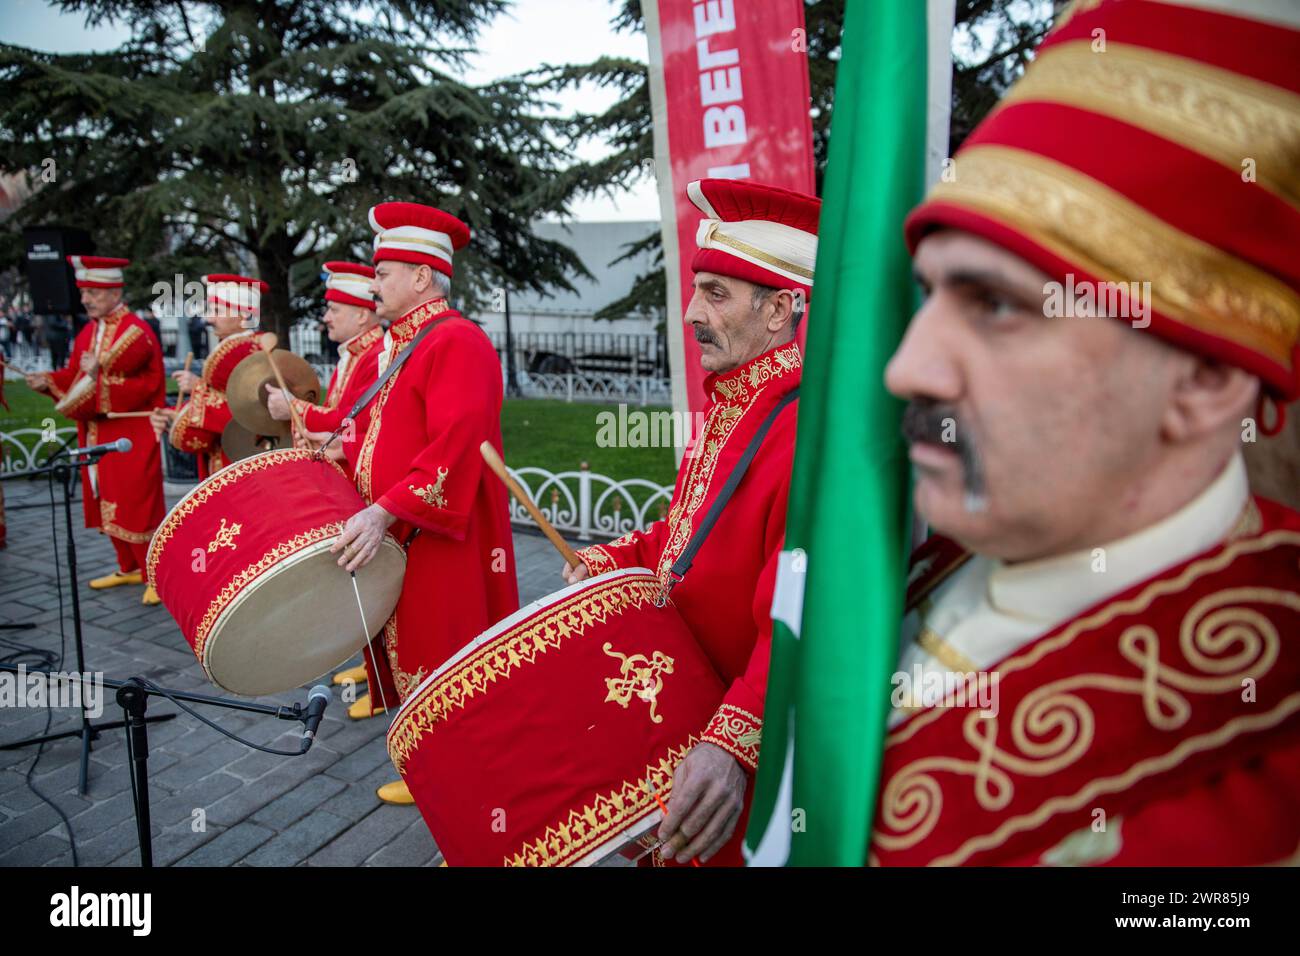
(1208, 395)
(782, 305)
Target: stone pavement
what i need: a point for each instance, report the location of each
(213, 801)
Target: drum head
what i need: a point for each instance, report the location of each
(300, 619)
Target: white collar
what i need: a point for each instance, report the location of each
(1056, 588)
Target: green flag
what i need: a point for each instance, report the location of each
(839, 595)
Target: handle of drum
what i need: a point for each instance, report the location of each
(496, 464)
(268, 342)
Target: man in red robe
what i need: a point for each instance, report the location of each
(233, 311)
(351, 322)
(753, 277)
(1100, 664)
(116, 366)
(418, 465)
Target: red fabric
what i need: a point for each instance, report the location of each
(736, 200)
(1088, 141)
(419, 460)
(724, 263)
(1217, 37)
(361, 373)
(334, 295)
(201, 420)
(391, 215)
(588, 697)
(726, 598)
(96, 262)
(1205, 197)
(129, 503)
(1201, 773)
(239, 280)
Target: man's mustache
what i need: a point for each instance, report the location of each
(937, 423)
(933, 423)
(703, 335)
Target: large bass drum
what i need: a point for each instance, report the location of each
(544, 742)
(243, 564)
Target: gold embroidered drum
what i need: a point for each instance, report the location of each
(243, 564)
(541, 742)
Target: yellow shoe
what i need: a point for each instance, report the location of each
(362, 709)
(150, 596)
(396, 793)
(355, 675)
(117, 578)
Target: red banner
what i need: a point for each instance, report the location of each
(729, 91)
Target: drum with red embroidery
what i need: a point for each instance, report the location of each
(243, 564)
(545, 741)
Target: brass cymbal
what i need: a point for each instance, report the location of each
(238, 443)
(246, 391)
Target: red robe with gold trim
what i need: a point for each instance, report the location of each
(122, 494)
(420, 461)
(344, 390)
(1158, 728)
(726, 598)
(200, 421)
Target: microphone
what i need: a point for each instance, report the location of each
(122, 445)
(318, 699)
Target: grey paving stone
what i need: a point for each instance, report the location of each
(285, 810)
(365, 838)
(228, 847)
(412, 847)
(299, 841)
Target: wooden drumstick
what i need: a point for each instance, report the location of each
(496, 464)
(180, 393)
(268, 341)
(144, 414)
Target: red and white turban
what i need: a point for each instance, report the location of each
(97, 272)
(349, 283)
(762, 234)
(237, 293)
(421, 235)
(1155, 142)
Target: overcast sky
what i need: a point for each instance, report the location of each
(533, 32)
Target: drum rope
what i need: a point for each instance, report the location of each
(365, 629)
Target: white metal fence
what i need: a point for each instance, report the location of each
(23, 449)
(589, 505)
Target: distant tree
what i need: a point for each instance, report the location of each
(255, 134)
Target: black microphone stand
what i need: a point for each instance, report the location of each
(133, 696)
(64, 470)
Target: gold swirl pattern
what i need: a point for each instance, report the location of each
(217, 482)
(1052, 727)
(509, 651)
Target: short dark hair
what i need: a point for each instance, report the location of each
(761, 294)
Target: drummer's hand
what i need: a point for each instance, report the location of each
(89, 363)
(38, 382)
(277, 403)
(334, 452)
(361, 537)
(161, 420)
(707, 799)
(574, 575)
(185, 380)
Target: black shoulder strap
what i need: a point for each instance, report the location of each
(687, 557)
(369, 394)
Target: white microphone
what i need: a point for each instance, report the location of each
(122, 445)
